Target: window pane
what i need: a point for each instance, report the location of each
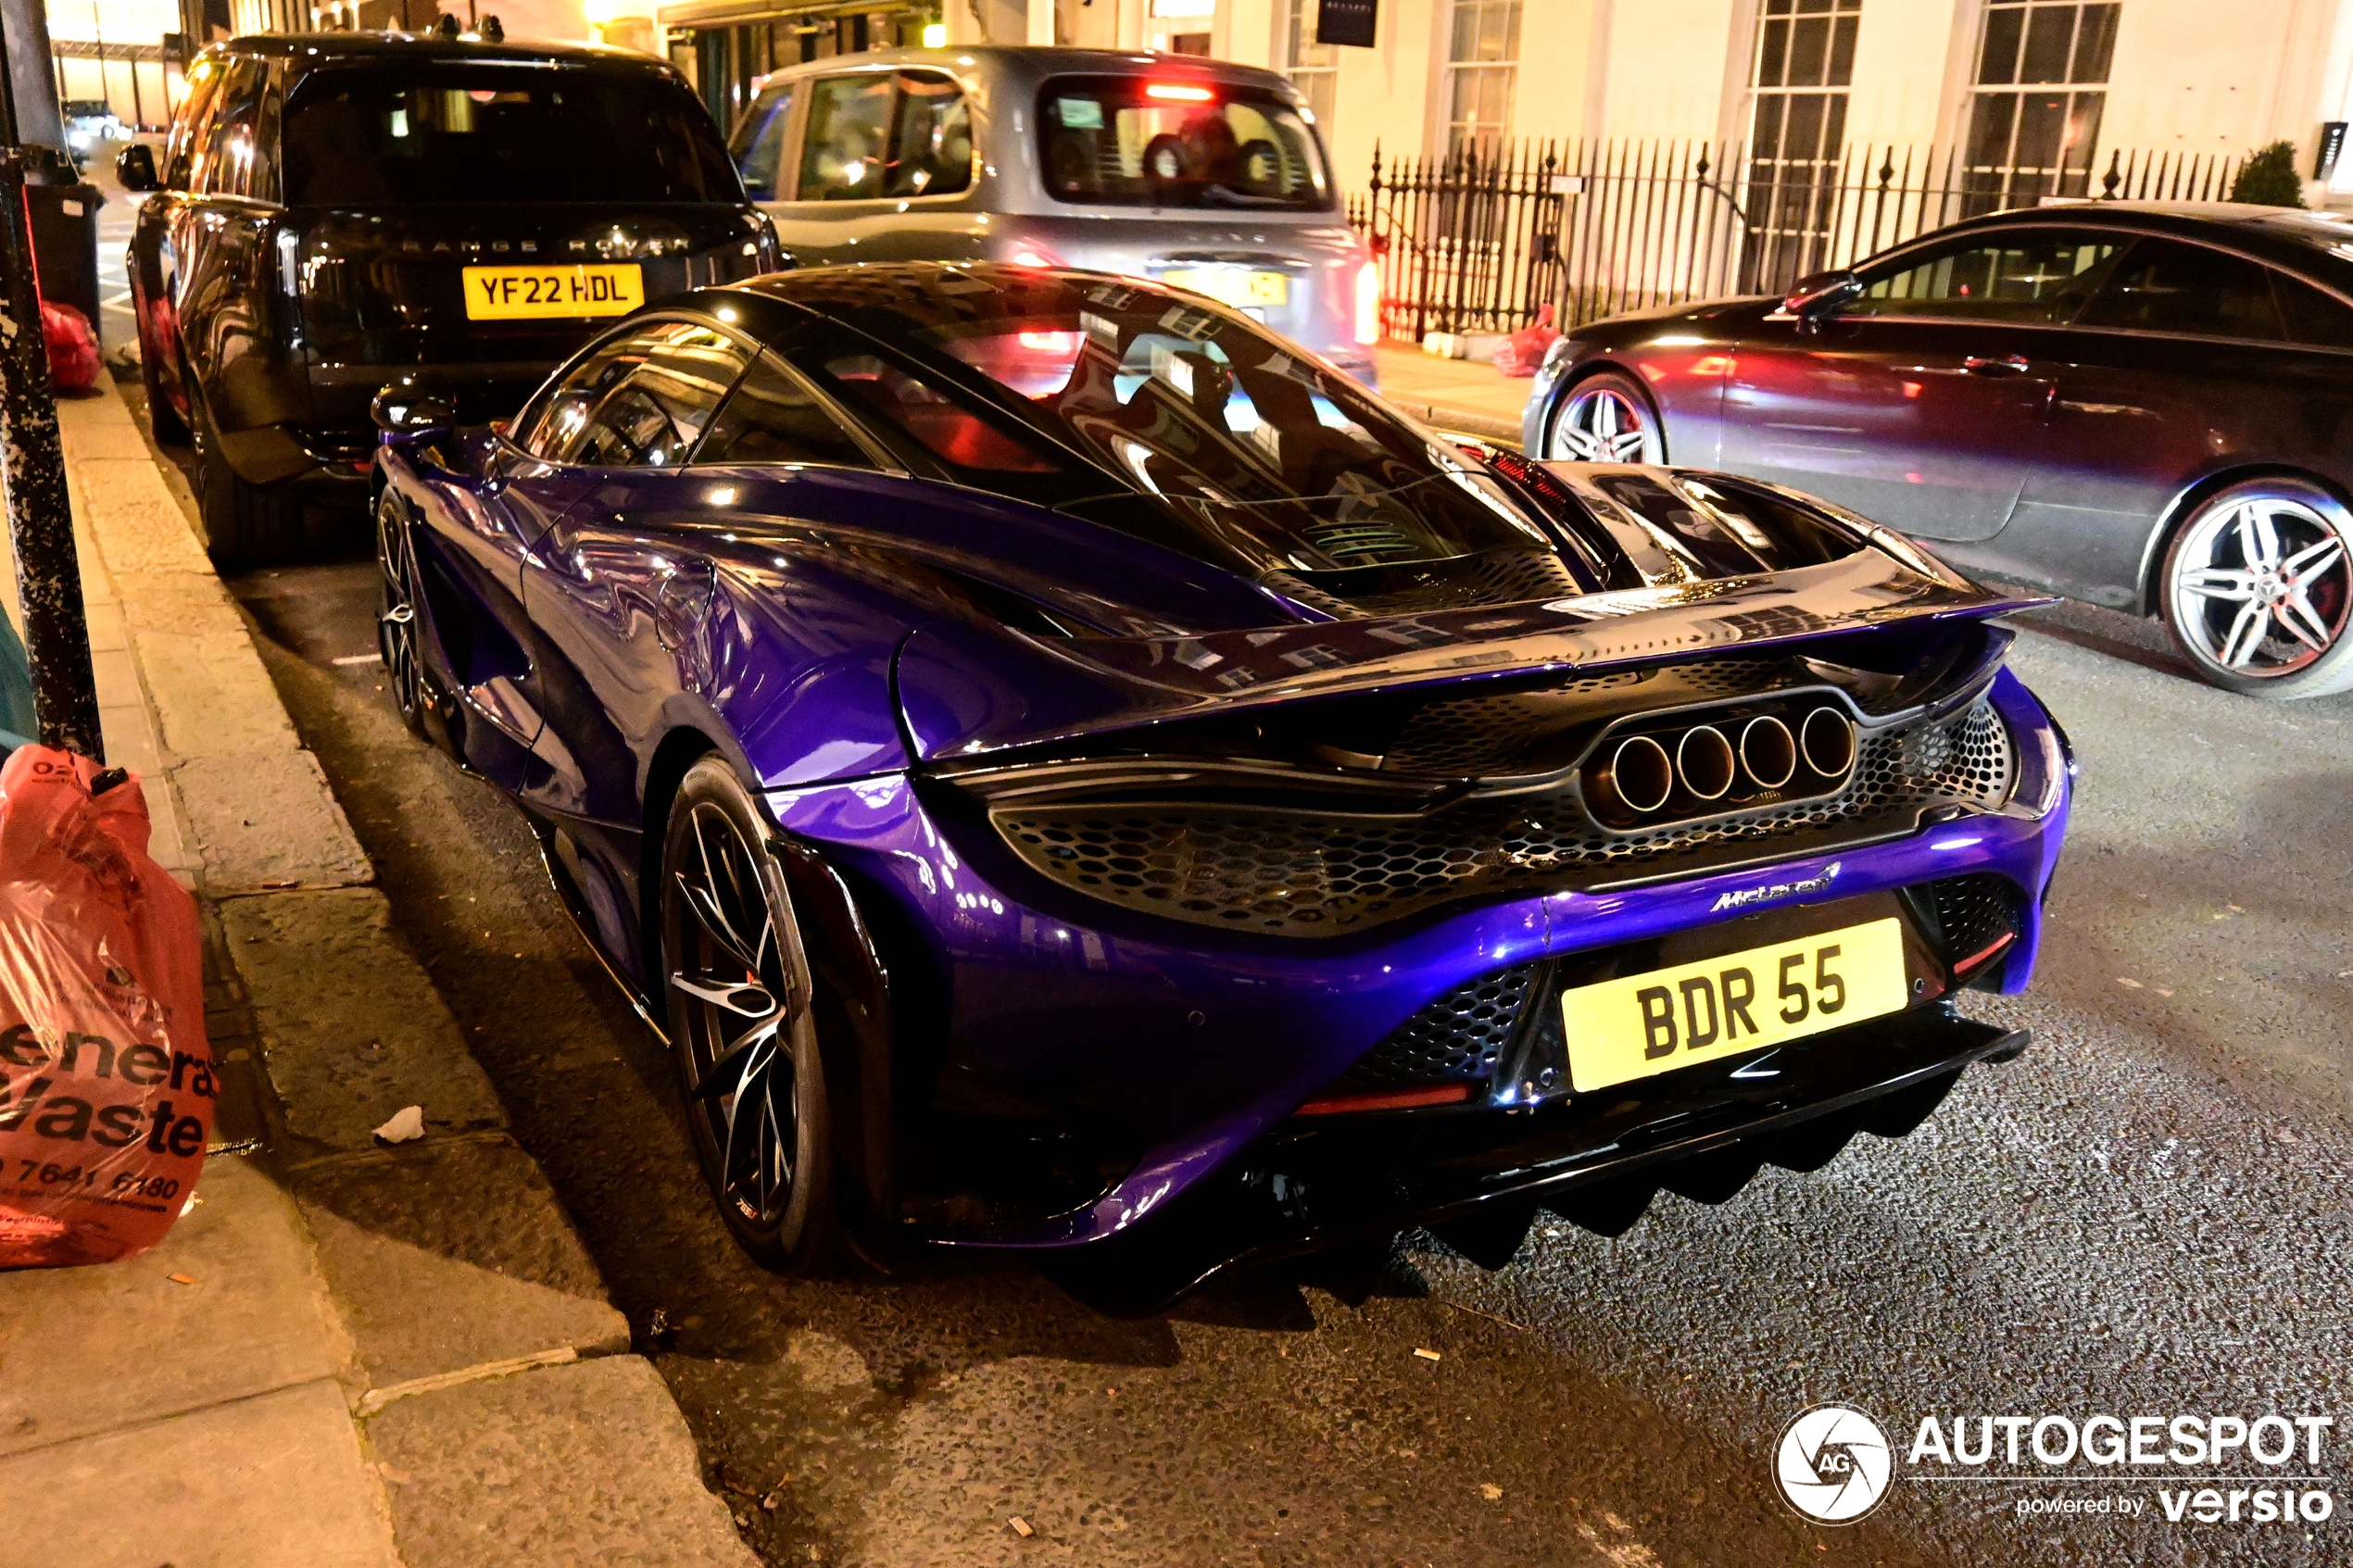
(759, 141)
(2314, 316)
(2169, 287)
(1841, 71)
(2049, 31)
(2025, 279)
(1772, 54)
(2095, 43)
(932, 154)
(1992, 118)
(1809, 43)
(436, 131)
(1107, 143)
(2042, 126)
(1998, 60)
(771, 418)
(1804, 138)
(948, 430)
(1765, 140)
(2082, 131)
(555, 430)
(848, 128)
(656, 414)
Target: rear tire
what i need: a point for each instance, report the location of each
(243, 524)
(399, 600)
(735, 983)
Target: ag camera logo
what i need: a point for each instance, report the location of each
(1833, 1464)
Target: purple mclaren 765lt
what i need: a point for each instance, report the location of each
(1069, 770)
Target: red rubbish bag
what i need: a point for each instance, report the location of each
(73, 347)
(1522, 354)
(107, 1084)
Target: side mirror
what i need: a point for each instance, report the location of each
(405, 408)
(1823, 295)
(135, 167)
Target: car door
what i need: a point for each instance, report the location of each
(2180, 367)
(1923, 403)
(616, 584)
(883, 171)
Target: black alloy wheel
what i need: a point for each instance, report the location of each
(398, 602)
(737, 986)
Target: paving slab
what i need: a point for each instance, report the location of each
(85, 1350)
(101, 427)
(352, 1029)
(450, 1255)
(265, 821)
(276, 1480)
(588, 1463)
(212, 698)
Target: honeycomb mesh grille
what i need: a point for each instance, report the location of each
(1462, 737)
(1454, 1040)
(1306, 874)
(1976, 911)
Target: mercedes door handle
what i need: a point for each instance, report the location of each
(2008, 365)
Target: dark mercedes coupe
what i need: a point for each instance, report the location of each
(333, 208)
(2144, 406)
(1069, 770)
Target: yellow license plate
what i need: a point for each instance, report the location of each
(514, 294)
(1231, 285)
(1645, 1024)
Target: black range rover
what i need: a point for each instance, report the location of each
(335, 209)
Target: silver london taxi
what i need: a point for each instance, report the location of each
(1198, 173)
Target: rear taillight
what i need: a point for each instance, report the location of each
(1368, 303)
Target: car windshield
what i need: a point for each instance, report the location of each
(1138, 141)
(1238, 442)
(489, 133)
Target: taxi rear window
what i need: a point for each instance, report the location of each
(500, 132)
(1143, 140)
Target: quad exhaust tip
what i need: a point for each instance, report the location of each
(1642, 774)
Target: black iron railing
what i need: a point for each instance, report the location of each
(1481, 240)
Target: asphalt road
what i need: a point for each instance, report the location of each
(2143, 1215)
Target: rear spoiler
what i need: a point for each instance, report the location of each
(967, 692)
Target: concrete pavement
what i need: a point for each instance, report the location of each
(1469, 396)
(345, 1353)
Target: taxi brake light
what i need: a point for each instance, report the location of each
(1183, 95)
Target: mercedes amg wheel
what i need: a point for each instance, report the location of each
(2257, 589)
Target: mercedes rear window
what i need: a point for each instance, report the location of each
(1145, 141)
(485, 132)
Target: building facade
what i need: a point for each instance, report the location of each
(2033, 86)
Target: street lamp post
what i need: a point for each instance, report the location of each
(57, 637)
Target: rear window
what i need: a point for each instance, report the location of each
(1070, 391)
(1138, 141)
(481, 132)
